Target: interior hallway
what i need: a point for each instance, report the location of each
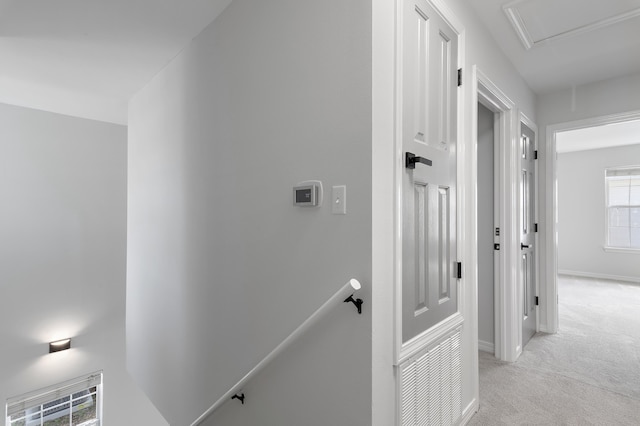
(587, 374)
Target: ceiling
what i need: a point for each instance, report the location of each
(88, 57)
(607, 136)
(571, 42)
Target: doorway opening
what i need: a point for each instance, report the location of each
(495, 247)
(488, 259)
(599, 250)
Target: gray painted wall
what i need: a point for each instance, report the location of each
(221, 266)
(62, 257)
(284, 81)
(485, 226)
(581, 213)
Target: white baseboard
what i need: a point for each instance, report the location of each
(468, 412)
(543, 328)
(635, 280)
(486, 347)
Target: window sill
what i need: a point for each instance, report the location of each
(621, 250)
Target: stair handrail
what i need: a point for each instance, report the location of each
(346, 291)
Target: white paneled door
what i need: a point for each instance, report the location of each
(429, 105)
(527, 234)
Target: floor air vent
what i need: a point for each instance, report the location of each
(431, 384)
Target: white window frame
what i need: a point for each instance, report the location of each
(50, 394)
(607, 247)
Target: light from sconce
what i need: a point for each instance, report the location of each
(59, 345)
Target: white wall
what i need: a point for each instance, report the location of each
(62, 257)
(221, 265)
(486, 221)
(581, 214)
(614, 96)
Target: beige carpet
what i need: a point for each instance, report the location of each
(587, 374)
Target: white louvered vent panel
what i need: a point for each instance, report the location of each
(421, 390)
(430, 383)
(408, 377)
(456, 371)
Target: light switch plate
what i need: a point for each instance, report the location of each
(339, 199)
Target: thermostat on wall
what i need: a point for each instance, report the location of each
(308, 194)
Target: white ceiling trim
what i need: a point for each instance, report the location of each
(518, 24)
(510, 9)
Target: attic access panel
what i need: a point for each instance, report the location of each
(542, 21)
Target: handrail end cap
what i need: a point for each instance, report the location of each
(355, 284)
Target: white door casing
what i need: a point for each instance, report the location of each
(549, 289)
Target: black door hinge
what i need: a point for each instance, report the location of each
(459, 77)
(496, 246)
(535, 227)
(536, 300)
(459, 275)
(535, 154)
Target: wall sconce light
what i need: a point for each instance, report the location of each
(59, 345)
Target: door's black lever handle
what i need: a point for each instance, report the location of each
(410, 160)
(524, 246)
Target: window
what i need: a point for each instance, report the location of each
(623, 207)
(74, 403)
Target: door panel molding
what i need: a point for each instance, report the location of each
(415, 345)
